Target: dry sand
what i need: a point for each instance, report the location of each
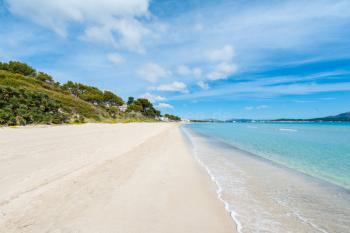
(102, 178)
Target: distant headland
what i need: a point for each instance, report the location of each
(343, 117)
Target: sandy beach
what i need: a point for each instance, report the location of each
(105, 178)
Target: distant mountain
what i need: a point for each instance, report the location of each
(340, 117)
(343, 117)
(207, 120)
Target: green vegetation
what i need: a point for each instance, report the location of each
(18, 68)
(130, 100)
(145, 107)
(21, 107)
(31, 97)
(343, 117)
(172, 117)
(92, 94)
(76, 105)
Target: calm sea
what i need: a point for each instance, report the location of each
(279, 177)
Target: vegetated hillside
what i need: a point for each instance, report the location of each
(20, 107)
(31, 97)
(343, 117)
(340, 117)
(70, 104)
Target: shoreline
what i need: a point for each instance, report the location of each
(282, 198)
(292, 170)
(105, 178)
(219, 189)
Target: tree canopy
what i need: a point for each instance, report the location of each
(18, 67)
(93, 94)
(145, 107)
(111, 99)
(130, 100)
(172, 117)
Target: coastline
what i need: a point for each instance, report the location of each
(137, 177)
(219, 189)
(296, 155)
(268, 196)
(312, 178)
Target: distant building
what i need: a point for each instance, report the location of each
(123, 108)
(164, 119)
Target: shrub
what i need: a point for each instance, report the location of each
(22, 107)
(18, 67)
(172, 117)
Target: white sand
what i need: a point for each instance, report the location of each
(102, 178)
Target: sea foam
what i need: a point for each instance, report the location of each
(290, 130)
(219, 190)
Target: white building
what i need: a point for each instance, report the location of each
(123, 108)
(164, 119)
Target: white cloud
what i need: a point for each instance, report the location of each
(115, 58)
(224, 54)
(249, 108)
(152, 72)
(172, 87)
(183, 70)
(271, 87)
(262, 107)
(222, 71)
(328, 98)
(129, 33)
(186, 71)
(197, 72)
(164, 105)
(203, 85)
(224, 66)
(112, 21)
(153, 98)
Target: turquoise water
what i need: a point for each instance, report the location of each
(318, 149)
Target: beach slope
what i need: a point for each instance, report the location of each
(105, 178)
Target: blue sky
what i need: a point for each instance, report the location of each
(198, 59)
